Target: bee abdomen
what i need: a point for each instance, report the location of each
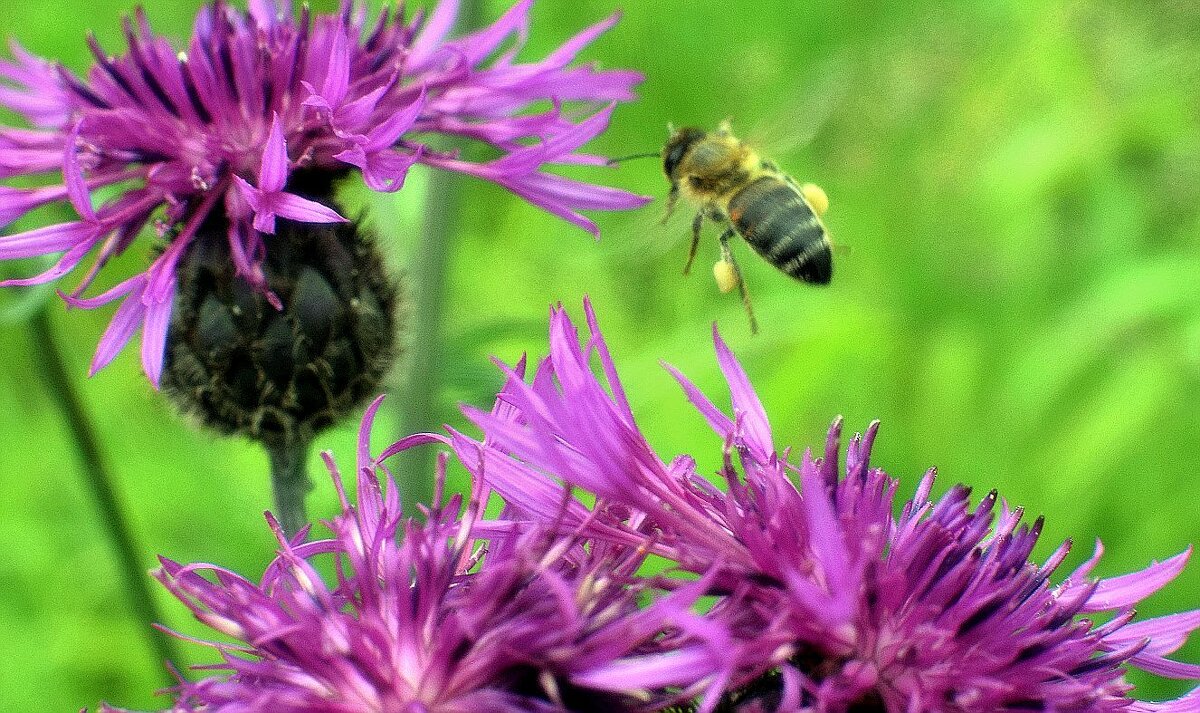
(781, 227)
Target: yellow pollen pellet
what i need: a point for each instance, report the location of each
(816, 197)
(725, 275)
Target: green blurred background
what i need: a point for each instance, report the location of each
(1017, 186)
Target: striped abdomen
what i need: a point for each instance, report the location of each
(777, 222)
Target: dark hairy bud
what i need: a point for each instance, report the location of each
(240, 365)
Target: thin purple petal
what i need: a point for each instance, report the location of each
(125, 322)
(50, 239)
(286, 205)
(273, 173)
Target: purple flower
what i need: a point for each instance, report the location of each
(836, 603)
(456, 615)
(216, 132)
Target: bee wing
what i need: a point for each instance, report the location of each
(650, 233)
(804, 115)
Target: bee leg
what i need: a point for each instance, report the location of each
(672, 199)
(727, 256)
(697, 223)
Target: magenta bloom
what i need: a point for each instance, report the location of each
(215, 132)
(836, 603)
(456, 615)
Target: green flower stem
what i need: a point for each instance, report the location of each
(290, 482)
(99, 482)
(421, 408)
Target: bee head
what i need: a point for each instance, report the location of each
(678, 144)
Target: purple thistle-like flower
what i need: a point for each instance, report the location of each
(836, 603)
(212, 135)
(456, 614)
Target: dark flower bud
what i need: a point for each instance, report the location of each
(244, 365)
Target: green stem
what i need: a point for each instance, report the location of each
(290, 482)
(99, 482)
(421, 408)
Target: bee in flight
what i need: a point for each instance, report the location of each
(735, 187)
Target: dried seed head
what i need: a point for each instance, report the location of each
(243, 366)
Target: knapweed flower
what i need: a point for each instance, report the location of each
(219, 146)
(452, 614)
(836, 603)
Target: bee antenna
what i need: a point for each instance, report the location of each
(651, 154)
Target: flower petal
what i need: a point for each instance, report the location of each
(383, 171)
(293, 207)
(337, 71)
(428, 43)
(125, 322)
(249, 193)
(273, 173)
(73, 176)
(16, 202)
(154, 336)
(50, 239)
(267, 13)
(65, 264)
(387, 133)
(1129, 589)
(746, 404)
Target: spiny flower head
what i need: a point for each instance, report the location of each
(837, 603)
(456, 614)
(212, 137)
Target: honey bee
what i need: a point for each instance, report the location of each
(735, 187)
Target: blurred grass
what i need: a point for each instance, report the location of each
(1018, 186)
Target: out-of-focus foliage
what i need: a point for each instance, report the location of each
(1017, 187)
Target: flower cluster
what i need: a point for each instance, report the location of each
(792, 589)
(457, 613)
(835, 602)
(224, 136)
